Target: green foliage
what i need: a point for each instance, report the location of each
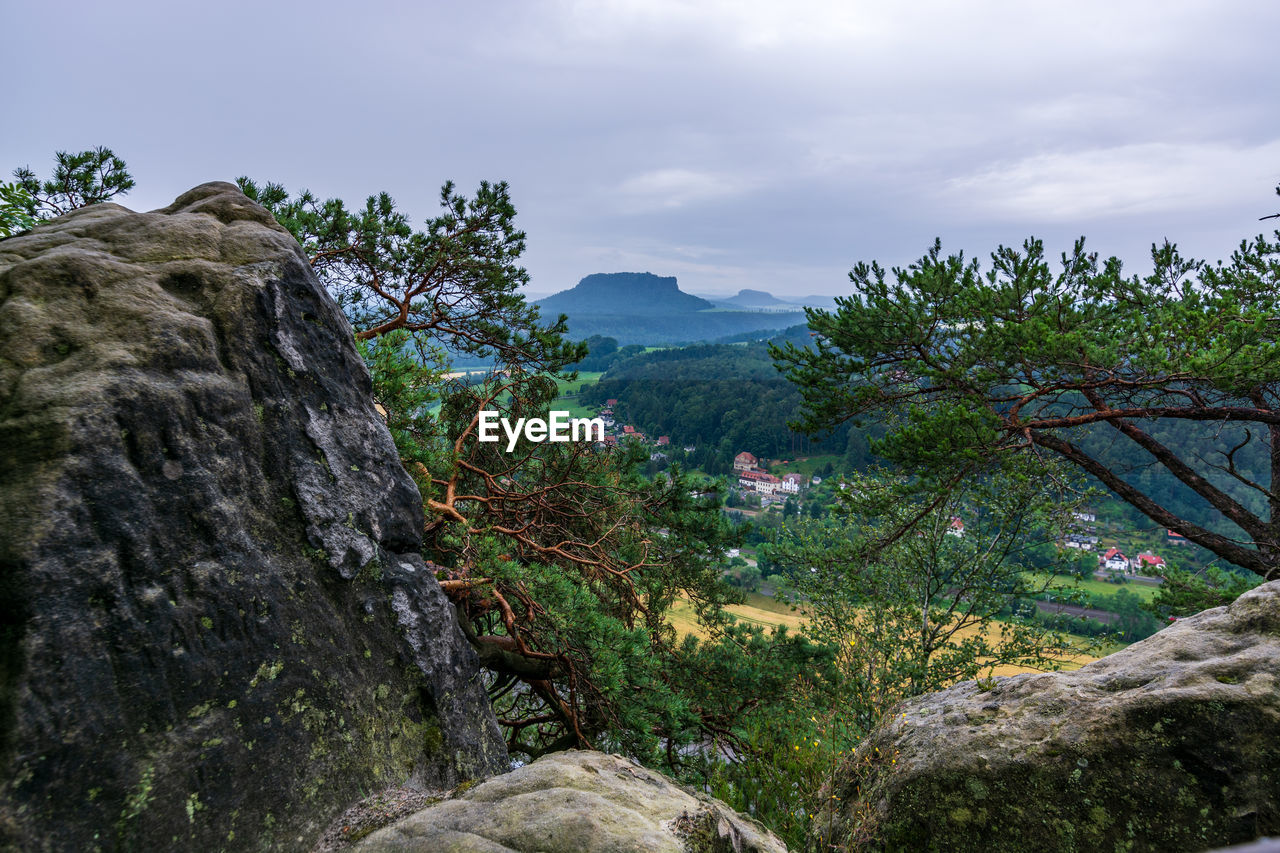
(562, 560)
(78, 180)
(456, 280)
(15, 202)
(408, 379)
(1173, 376)
(915, 603)
(793, 753)
(904, 606)
(604, 353)
(1184, 593)
(1135, 623)
(721, 398)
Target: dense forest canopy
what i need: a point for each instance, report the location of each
(722, 398)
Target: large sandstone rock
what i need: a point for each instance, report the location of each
(214, 629)
(1170, 744)
(575, 802)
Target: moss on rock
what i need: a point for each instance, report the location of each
(1170, 744)
(190, 652)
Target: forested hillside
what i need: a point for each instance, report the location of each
(721, 398)
(678, 328)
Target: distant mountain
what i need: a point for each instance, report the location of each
(815, 301)
(642, 308)
(761, 300)
(624, 293)
(754, 299)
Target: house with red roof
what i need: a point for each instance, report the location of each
(745, 462)
(1149, 561)
(759, 481)
(1114, 560)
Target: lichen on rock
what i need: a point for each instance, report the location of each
(1170, 744)
(215, 629)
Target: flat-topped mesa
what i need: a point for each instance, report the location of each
(1170, 744)
(215, 630)
(617, 293)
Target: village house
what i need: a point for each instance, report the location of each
(791, 483)
(1148, 561)
(758, 481)
(1115, 561)
(1080, 541)
(745, 462)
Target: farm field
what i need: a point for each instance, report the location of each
(568, 398)
(768, 613)
(1103, 588)
(585, 377)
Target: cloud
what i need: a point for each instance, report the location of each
(673, 188)
(705, 270)
(1119, 181)
(724, 24)
(791, 139)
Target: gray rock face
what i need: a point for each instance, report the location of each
(214, 630)
(1170, 744)
(575, 802)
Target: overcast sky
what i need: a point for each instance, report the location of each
(732, 144)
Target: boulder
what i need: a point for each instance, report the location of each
(215, 630)
(1170, 744)
(575, 802)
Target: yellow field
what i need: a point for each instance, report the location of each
(765, 611)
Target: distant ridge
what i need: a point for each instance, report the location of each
(630, 293)
(817, 301)
(762, 300)
(754, 299)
